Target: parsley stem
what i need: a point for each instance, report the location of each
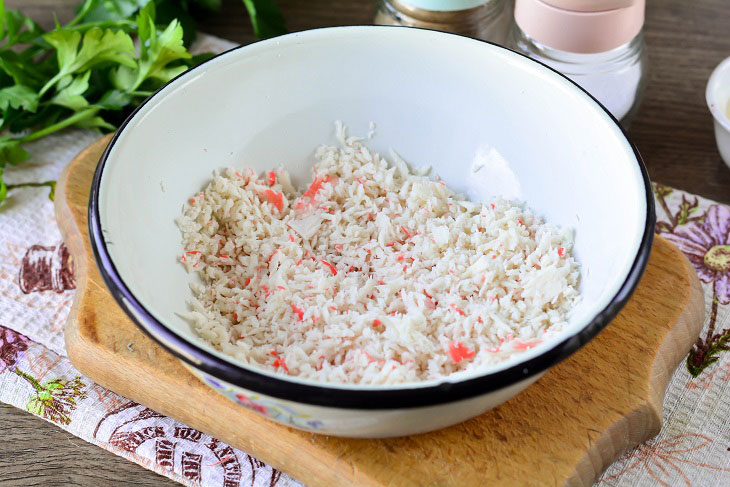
(125, 25)
(85, 7)
(51, 82)
(67, 122)
(50, 184)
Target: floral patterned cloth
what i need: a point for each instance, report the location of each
(36, 379)
(37, 286)
(36, 289)
(693, 447)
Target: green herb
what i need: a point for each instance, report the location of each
(50, 81)
(18, 96)
(48, 184)
(157, 51)
(99, 46)
(266, 18)
(265, 15)
(88, 73)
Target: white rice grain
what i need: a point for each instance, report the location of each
(375, 275)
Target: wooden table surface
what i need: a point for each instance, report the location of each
(673, 131)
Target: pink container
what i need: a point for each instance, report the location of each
(596, 43)
(581, 26)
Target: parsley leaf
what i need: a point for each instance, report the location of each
(105, 10)
(18, 96)
(266, 18)
(95, 123)
(71, 96)
(114, 100)
(98, 46)
(21, 70)
(16, 28)
(11, 151)
(157, 51)
(88, 72)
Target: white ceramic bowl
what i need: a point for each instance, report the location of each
(718, 100)
(440, 100)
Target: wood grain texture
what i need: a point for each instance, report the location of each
(597, 404)
(36, 453)
(672, 129)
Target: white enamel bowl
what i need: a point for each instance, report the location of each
(717, 95)
(439, 100)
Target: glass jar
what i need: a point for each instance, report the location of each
(483, 19)
(616, 77)
(612, 67)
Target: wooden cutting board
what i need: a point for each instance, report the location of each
(565, 429)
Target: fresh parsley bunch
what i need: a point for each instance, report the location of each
(265, 16)
(90, 73)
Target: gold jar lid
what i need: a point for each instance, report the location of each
(458, 16)
(443, 5)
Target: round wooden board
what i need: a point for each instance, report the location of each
(565, 429)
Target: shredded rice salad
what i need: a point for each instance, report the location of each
(372, 275)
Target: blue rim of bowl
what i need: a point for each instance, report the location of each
(354, 398)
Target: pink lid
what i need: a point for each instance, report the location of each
(583, 28)
(590, 5)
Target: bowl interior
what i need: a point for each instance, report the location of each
(437, 99)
